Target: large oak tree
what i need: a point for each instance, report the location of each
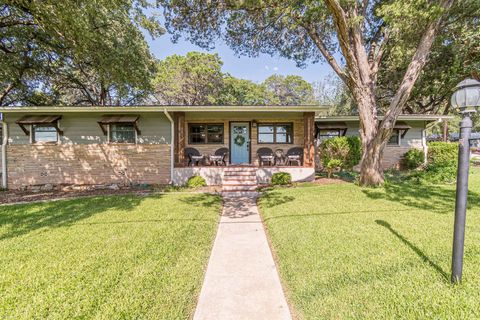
(74, 52)
(359, 31)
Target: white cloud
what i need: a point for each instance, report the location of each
(275, 68)
(267, 68)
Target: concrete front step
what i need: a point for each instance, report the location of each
(243, 169)
(240, 173)
(240, 183)
(240, 178)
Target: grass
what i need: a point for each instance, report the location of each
(105, 257)
(346, 252)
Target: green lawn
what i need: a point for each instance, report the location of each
(348, 252)
(105, 257)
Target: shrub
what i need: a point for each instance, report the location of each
(414, 158)
(355, 152)
(442, 154)
(340, 152)
(333, 165)
(441, 164)
(281, 178)
(196, 182)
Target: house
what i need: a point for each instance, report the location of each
(169, 144)
(409, 132)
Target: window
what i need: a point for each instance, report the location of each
(327, 134)
(394, 138)
(123, 133)
(44, 133)
(205, 133)
(280, 133)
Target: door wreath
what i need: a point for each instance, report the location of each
(239, 140)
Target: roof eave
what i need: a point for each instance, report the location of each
(68, 109)
(401, 117)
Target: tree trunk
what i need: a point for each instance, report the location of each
(371, 171)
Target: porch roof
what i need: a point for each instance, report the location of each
(105, 109)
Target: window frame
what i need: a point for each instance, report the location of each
(206, 125)
(399, 139)
(109, 133)
(341, 133)
(51, 125)
(275, 125)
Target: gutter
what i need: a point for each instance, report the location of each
(172, 143)
(4, 154)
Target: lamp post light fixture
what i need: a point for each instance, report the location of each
(466, 99)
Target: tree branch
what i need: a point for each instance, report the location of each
(413, 72)
(326, 54)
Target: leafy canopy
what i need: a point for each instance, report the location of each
(74, 52)
(197, 79)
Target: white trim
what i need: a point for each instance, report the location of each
(172, 144)
(4, 154)
(403, 117)
(110, 142)
(68, 109)
(32, 134)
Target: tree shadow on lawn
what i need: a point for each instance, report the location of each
(202, 199)
(21, 219)
(414, 248)
(272, 199)
(440, 199)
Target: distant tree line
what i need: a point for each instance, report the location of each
(197, 79)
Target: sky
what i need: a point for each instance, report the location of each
(254, 69)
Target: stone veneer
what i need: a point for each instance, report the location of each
(87, 164)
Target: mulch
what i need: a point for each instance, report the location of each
(16, 196)
(326, 181)
(20, 196)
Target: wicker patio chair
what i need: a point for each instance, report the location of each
(295, 155)
(265, 155)
(193, 155)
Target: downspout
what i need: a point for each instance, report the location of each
(4, 154)
(172, 143)
(424, 144)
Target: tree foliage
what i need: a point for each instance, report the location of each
(193, 79)
(197, 79)
(243, 92)
(74, 52)
(455, 55)
(289, 90)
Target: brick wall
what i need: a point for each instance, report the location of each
(393, 156)
(87, 164)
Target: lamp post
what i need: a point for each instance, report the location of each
(466, 98)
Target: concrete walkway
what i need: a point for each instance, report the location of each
(241, 280)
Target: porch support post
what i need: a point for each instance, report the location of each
(179, 118)
(309, 138)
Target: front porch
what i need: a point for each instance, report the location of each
(209, 144)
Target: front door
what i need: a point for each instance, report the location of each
(240, 143)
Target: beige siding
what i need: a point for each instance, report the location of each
(81, 128)
(227, 118)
